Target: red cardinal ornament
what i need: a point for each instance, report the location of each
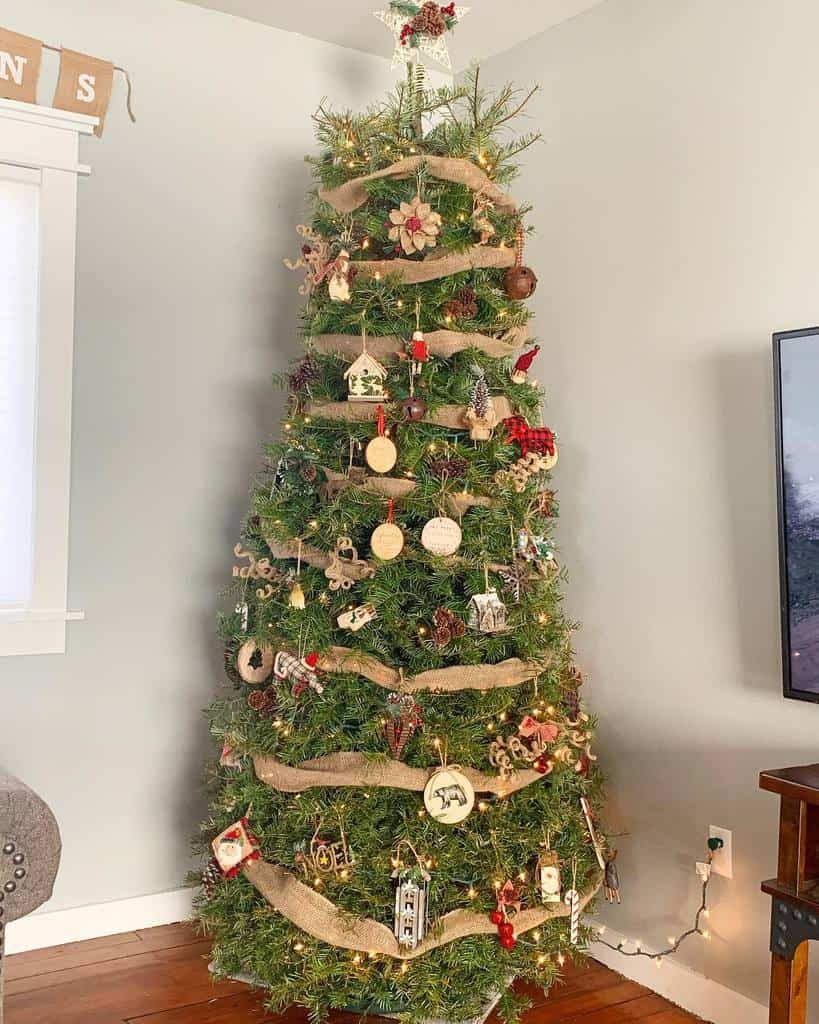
(520, 371)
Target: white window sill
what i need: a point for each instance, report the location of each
(34, 631)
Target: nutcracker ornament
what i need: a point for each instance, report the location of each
(548, 874)
(301, 672)
(520, 371)
(411, 898)
(419, 353)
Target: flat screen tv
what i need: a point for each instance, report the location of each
(796, 390)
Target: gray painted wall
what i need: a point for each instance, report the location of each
(677, 206)
(184, 311)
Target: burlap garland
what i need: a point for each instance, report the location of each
(352, 194)
(444, 344)
(457, 502)
(354, 571)
(440, 263)
(317, 916)
(451, 416)
(501, 675)
(351, 768)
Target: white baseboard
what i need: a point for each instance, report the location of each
(57, 927)
(701, 996)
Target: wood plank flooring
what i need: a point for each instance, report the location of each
(160, 976)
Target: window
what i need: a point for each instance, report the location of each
(38, 186)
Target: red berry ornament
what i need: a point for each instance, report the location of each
(506, 930)
(496, 917)
(508, 943)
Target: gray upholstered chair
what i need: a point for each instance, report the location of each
(29, 855)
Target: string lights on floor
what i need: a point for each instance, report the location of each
(704, 870)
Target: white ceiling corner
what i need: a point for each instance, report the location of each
(491, 27)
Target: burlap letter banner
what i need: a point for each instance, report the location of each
(19, 66)
(84, 85)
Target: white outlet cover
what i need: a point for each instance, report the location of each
(723, 862)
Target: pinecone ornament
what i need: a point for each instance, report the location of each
(308, 472)
(429, 20)
(464, 306)
(211, 877)
(265, 702)
(446, 627)
(304, 374)
(448, 469)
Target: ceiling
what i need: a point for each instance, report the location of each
(491, 26)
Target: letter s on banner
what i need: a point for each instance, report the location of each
(20, 58)
(84, 85)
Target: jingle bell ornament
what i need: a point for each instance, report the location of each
(519, 282)
(414, 409)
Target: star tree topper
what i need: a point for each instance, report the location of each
(434, 46)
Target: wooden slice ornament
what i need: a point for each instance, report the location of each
(449, 796)
(381, 453)
(387, 541)
(441, 536)
(254, 662)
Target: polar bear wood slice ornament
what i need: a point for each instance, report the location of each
(449, 796)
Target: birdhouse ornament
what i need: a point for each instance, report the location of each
(411, 899)
(365, 377)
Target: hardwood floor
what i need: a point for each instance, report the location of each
(160, 976)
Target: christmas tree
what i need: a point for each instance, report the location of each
(403, 816)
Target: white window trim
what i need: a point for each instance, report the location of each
(47, 141)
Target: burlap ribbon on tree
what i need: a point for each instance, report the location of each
(444, 344)
(503, 674)
(351, 768)
(439, 263)
(354, 571)
(451, 416)
(316, 915)
(354, 193)
(457, 502)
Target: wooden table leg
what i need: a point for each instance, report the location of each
(789, 988)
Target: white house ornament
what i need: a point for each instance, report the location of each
(365, 379)
(381, 453)
(254, 662)
(487, 613)
(387, 540)
(449, 796)
(235, 847)
(423, 31)
(441, 536)
(356, 618)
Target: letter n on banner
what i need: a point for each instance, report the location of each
(20, 58)
(84, 85)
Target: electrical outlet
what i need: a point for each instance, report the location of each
(723, 862)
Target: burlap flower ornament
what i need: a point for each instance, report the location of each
(415, 226)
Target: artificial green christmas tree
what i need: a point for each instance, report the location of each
(404, 812)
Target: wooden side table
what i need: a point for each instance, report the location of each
(795, 890)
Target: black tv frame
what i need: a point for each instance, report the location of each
(788, 690)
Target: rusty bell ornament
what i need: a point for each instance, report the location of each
(414, 409)
(519, 282)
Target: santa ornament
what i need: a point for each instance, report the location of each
(235, 847)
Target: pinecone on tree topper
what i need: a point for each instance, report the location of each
(430, 20)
